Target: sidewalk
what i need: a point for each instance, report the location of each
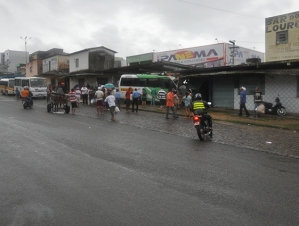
(288, 122)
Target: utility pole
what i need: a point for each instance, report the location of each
(233, 50)
(25, 39)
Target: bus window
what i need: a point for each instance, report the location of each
(142, 82)
(165, 83)
(126, 82)
(35, 82)
(17, 82)
(25, 83)
(153, 82)
(135, 82)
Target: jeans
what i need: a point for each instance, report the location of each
(153, 100)
(175, 107)
(167, 111)
(117, 102)
(135, 102)
(29, 99)
(84, 98)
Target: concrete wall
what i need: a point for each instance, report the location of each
(34, 68)
(83, 61)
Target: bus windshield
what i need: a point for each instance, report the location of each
(37, 82)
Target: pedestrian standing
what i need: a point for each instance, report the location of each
(144, 98)
(99, 95)
(243, 101)
(154, 95)
(176, 104)
(162, 97)
(257, 100)
(18, 94)
(187, 104)
(169, 103)
(78, 95)
(135, 96)
(110, 99)
(73, 99)
(117, 98)
(84, 92)
(128, 99)
(49, 91)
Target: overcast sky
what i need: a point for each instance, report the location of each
(132, 27)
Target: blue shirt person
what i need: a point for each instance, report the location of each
(117, 98)
(243, 101)
(135, 96)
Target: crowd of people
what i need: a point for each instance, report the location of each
(106, 99)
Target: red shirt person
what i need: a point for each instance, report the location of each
(128, 99)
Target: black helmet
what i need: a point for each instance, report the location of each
(197, 96)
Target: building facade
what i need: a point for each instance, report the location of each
(10, 59)
(222, 85)
(87, 65)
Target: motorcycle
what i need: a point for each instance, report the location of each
(276, 109)
(201, 125)
(26, 103)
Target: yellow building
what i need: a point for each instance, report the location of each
(282, 37)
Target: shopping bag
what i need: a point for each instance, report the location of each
(116, 109)
(260, 109)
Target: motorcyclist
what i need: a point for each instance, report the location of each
(26, 94)
(200, 107)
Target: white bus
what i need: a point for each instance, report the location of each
(7, 86)
(145, 81)
(37, 86)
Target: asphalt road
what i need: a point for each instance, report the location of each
(60, 169)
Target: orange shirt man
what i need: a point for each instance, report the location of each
(169, 99)
(169, 103)
(25, 93)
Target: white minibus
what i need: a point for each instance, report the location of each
(36, 85)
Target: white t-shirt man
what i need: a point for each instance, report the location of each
(84, 90)
(110, 100)
(99, 94)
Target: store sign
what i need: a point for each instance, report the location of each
(192, 56)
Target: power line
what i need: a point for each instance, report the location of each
(222, 10)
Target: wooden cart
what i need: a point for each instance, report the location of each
(58, 101)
